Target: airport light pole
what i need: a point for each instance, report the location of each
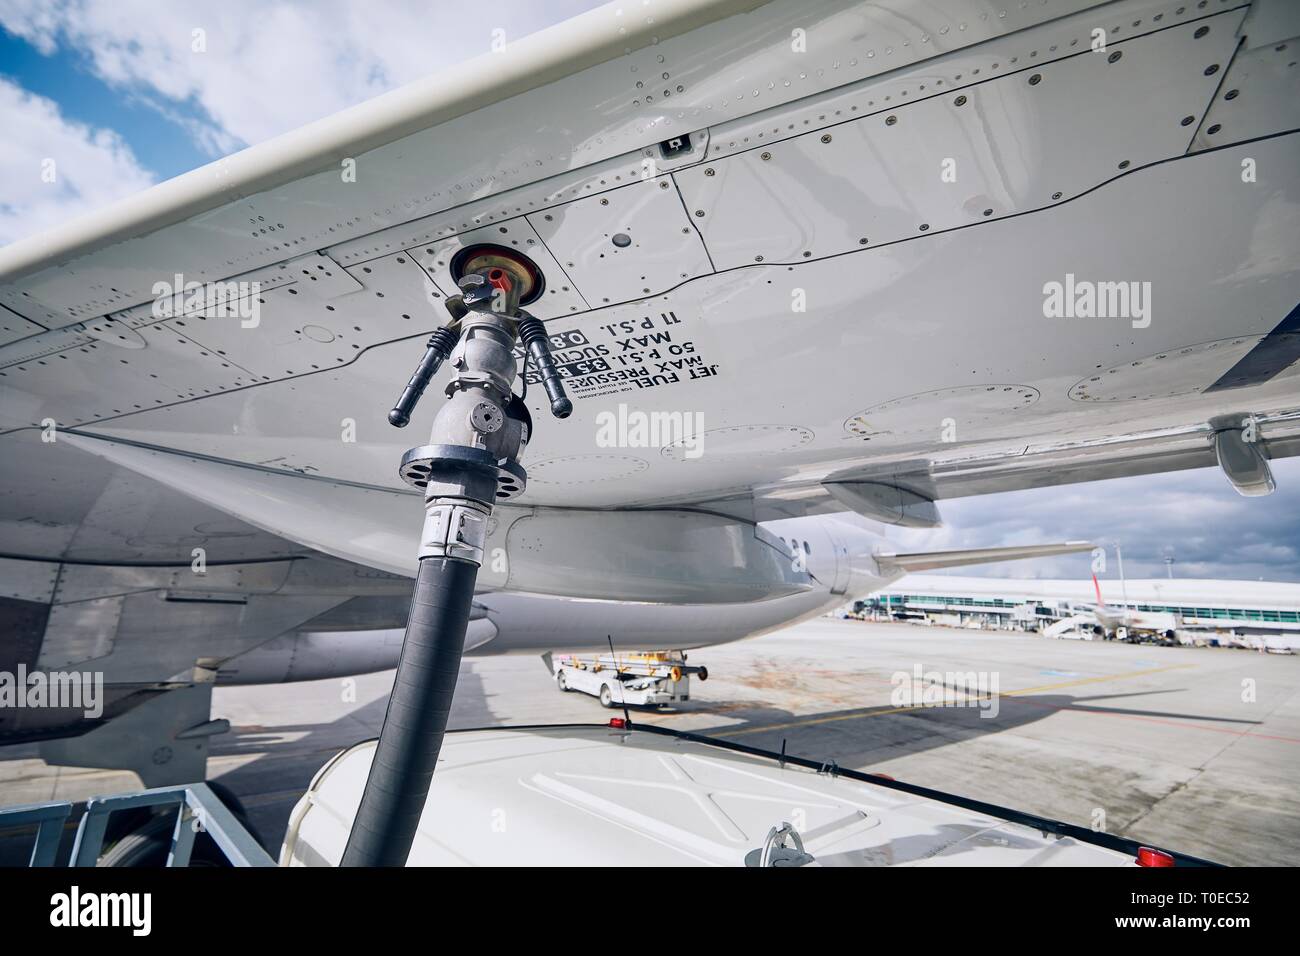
(470, 463)
(1123, 586)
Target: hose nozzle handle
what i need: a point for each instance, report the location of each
(439, 347)
(533, 335)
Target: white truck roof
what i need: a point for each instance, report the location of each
(598, 796)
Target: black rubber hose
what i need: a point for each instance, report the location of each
(416, 720)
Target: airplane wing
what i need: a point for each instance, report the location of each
(932, 560)
(797, 269)
(877, 255)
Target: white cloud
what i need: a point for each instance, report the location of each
(264, 69)
(90, 167)
(267, 68)
(1192, 516)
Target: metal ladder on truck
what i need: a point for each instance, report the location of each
(197, 810)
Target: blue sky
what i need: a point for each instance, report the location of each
(127, 93)
(67, 77)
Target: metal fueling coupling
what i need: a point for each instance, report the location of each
(483, 428)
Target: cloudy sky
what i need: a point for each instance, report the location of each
(1192, 516)
(127, 93)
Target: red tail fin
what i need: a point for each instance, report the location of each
(1097, 587)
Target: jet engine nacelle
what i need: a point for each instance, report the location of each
(661, 556)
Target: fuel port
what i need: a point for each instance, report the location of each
(522, 270)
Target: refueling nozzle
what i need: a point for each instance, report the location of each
(495, 290)
(470, 465)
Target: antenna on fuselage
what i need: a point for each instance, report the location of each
(622, 697)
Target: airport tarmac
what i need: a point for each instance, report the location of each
(1193, 749)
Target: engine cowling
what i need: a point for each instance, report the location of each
(663, 556)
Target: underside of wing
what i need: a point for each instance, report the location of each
(766, 293)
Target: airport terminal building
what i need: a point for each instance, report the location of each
(1242, 606)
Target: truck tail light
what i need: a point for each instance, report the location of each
(1151, 857)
